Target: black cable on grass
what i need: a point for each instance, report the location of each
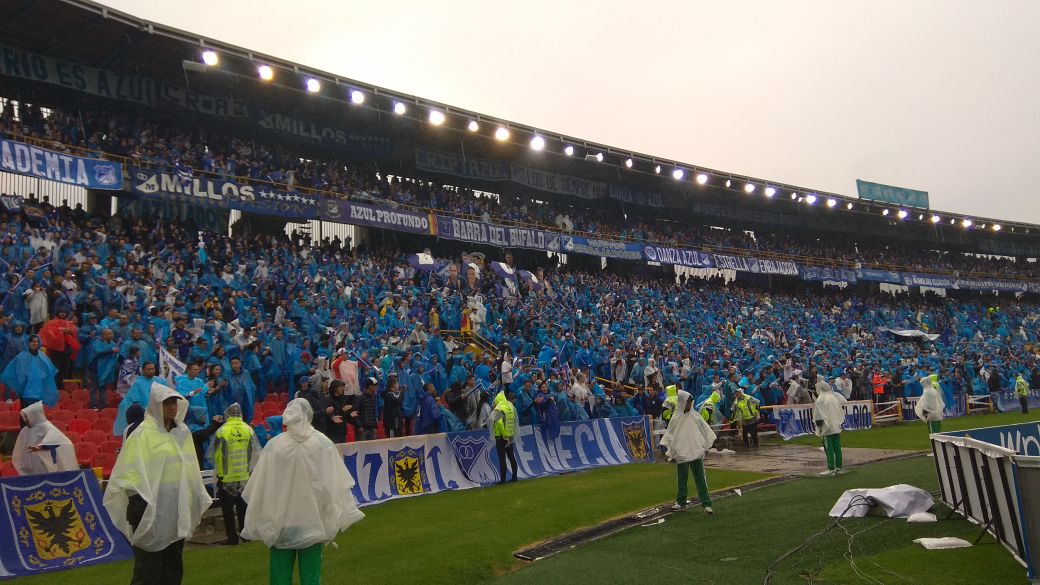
(856, 500)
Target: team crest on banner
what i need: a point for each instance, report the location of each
(635, 440)
(473, 453)
(56, 521)
(408, 471)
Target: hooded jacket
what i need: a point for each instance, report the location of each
(300, 492)
(160, 466)
(58, 453)
(829, 410)
(930, 405)
(688, 437)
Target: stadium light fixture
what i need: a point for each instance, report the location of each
(210, 58)
(729, 183)
(749, 187)
(473, 126)
(358, 97)
(832, 202)
(810, 199)
(537, 143)
(902, 214)
(982, 226)
(677, 174)
(628, 163)
(935, 219)
(313, 85)
(702, 179)
(569, 151)
(436, 117)
(265, 72)
(770, 191)
(399, 107)
(996, 227)
(920, 217)
(952, 221)
(884, 212)
(657, 169)
(794, 196)
(599, 157)
(502, 134)
(966, 222)
(848, 206)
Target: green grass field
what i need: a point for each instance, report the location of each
(468, 537)
(914, 436)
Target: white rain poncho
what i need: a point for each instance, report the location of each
(58, 454)
(829, 411)
(299, 494)
(930, 406)
(688, 437)
(162, 468)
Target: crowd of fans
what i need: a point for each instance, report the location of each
(361, 333)
(148, 142)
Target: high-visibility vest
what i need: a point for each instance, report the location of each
(747, 408)
(505, 426)
(231, 455)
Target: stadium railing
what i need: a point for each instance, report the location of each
(744, 252)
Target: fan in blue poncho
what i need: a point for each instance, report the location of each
(31, 375)
(138, 394)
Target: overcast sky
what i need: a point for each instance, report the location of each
(937, 95)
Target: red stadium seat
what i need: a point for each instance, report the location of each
(81, 395)
(110, 446)
(79, 425)
(71, 385)
(112, 398)
(61, 415)
(85, 452)
(64, 396)
(97, 437)
(104, 424)
(71, 405)
(74, 436)
(10, 422)
(109, 413)
(7, 469)
(105, 461)
(87, 414)
(4, 406)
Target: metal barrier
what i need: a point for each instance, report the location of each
(980, 404)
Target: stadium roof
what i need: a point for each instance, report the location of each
(96, 35)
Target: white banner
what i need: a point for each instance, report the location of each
(169, 366)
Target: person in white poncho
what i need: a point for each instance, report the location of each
(930, 406)
(155, 495)
(687, 439)
(40, 446)
(829, 416)
(298, 497)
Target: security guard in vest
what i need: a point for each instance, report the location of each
(504, 416)
(708, 408)
(235, 452)
(745, 413)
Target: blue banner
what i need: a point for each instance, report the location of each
(461, 166)
(1007, 401)
(1022, 438)
(929, 280)
(33, 161)
(755, 265)
(677, 256)
(11, 203)
(798, 420)
(817, 274)
(875, 275)
(890, 194)
(425, 464)
(596, 247)
(166, 185)
(986, 284)
(479, 232)
(635, 196)
(400, 220)
(55, 522)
